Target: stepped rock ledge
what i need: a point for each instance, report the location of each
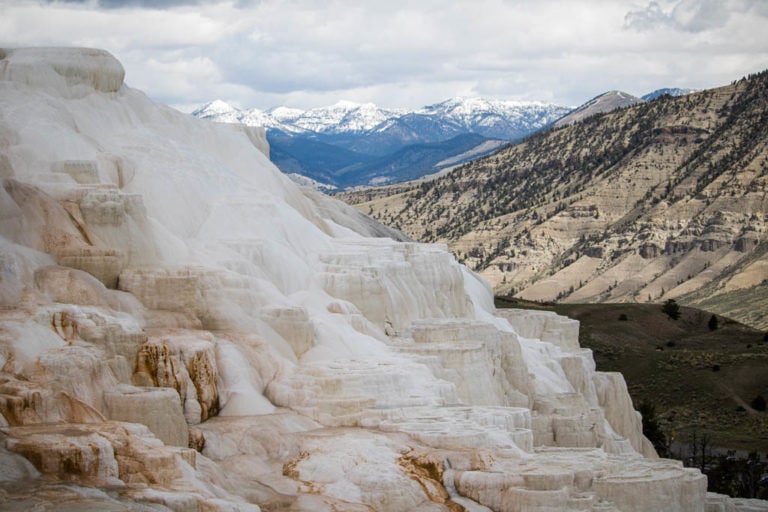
(182, 328)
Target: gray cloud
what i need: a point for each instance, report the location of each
(122, 4)
(304, 53)
(692, 15)
(646, 19)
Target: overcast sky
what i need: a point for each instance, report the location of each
(403, 53)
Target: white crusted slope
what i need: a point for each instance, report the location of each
(182, 328)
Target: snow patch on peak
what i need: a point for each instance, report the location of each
(343, 116)
(285, 113)
(213, 108)
(473, 104)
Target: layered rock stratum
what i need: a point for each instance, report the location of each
(667, 199)
(182, 328)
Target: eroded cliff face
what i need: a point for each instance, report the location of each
(182, 328)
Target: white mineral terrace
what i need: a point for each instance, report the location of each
(182, 328)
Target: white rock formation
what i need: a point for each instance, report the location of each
(163, 287)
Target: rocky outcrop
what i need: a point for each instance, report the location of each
(185, 362)
(220, 342)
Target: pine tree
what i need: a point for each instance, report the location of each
(713, 323)
(672, 309)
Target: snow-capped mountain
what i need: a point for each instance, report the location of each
(220, 111)
(284, 116)
(504, 119)
(341, 117)
(672, 91)
(344, 117)
(328, 142)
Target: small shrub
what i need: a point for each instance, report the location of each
(672, 309)
(758, 403)
(713, 323)
(623, 317)
(671, 344)
(715, 367)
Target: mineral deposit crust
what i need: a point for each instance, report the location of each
(182, 328)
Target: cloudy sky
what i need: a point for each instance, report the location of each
(402, 53)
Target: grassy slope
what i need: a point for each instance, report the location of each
(670, 364)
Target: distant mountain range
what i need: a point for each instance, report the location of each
(350, 144)
(665, 199)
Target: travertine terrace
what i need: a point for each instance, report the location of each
(184, 329)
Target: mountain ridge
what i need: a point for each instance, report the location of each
(347, 116)
(324, 142)
(600, 104)
(365, 133)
